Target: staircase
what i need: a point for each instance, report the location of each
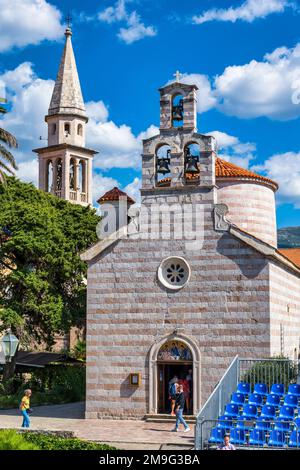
(167, 418)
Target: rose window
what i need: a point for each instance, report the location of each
(174, 273)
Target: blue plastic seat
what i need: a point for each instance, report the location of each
(282, 424)
(273, 400)
(255, 399)
(297, 423)
(244, 388)
(261, 389)
(294, 389)
(287, 412)
(294, 440)
(224, 422)
(291, 400)
(232, 410)
(268, 411)
(238, 399)
(244, 423)
(216, 435)
(257, 437)
(277, 439)
(277, 389)
(237, 436)
(264, 424)
(250, 411)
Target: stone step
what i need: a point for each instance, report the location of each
(164, 418)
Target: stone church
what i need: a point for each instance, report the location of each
(182, 283)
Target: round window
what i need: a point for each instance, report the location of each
(174, 272)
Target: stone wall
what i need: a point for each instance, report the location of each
(285, 312)
(224, 310)
(251, 207)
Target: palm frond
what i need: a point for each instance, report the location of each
(6, 168)
(8, 138)
(6, 155)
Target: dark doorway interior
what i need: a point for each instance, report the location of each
(166, 372)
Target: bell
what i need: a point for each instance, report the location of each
(191, 165)
(177, 111)
(163, 166)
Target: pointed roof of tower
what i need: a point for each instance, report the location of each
(67, 97)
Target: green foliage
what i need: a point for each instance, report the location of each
(51, 442)
(272, 371)
(11, 440)
(53, 385)
(7, 160)
(14, 440)
(42, 288)
(79, 351)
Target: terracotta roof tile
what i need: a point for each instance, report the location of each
(114, 195)
(293, 254)
(226, 169)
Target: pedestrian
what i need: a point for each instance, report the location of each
(172, 393)
(226, 444)
(179, 406)
(25, 407)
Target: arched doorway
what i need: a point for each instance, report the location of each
(174, 355)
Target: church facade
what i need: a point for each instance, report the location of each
(164, 301)
(181, 284)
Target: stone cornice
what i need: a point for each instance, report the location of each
(53, 148)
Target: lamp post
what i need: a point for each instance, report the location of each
(9, 345)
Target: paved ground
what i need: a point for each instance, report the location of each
(124, 434)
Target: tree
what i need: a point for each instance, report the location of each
(42, 279)
(7, 159)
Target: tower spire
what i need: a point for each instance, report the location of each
(67, 96)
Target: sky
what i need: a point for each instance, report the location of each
(244, 57)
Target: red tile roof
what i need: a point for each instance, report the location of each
(114, 195)
(226, 169)
(293, 254)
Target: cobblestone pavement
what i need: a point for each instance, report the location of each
(123, 434)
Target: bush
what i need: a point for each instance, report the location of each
(52, 442)
(11, 440)
(270, 372)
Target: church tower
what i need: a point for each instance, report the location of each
(178, 164)
(65, 165)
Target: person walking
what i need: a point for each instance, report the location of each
(25, 407)
(179, 406)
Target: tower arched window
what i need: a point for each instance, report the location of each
(82, 176)
(59, 175)
(72, 175)
(49, 176)
(79, 129)
(53, 129)
(177, 110)
(163, 161)
(67, 129)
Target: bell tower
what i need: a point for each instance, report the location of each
(65, 165)
(178, 157)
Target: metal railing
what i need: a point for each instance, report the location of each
(265, 370)
(245, 435)
(215, 404)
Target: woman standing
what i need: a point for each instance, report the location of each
(25, 406)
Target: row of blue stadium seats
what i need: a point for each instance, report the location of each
(262, 389)
(263, 424)
(241, 399)
(257, 437)
(252, 412)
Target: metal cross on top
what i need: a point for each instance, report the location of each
(177, 76)
(69, 20)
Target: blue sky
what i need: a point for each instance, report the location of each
(126, 50)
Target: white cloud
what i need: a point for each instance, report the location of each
(97, 110)
(232, 150)
(205, 96)
(262, 88)
(28, 171)
(134, 28)
(285, 170)
(24, 22)
(248, 11)
(133, 189)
